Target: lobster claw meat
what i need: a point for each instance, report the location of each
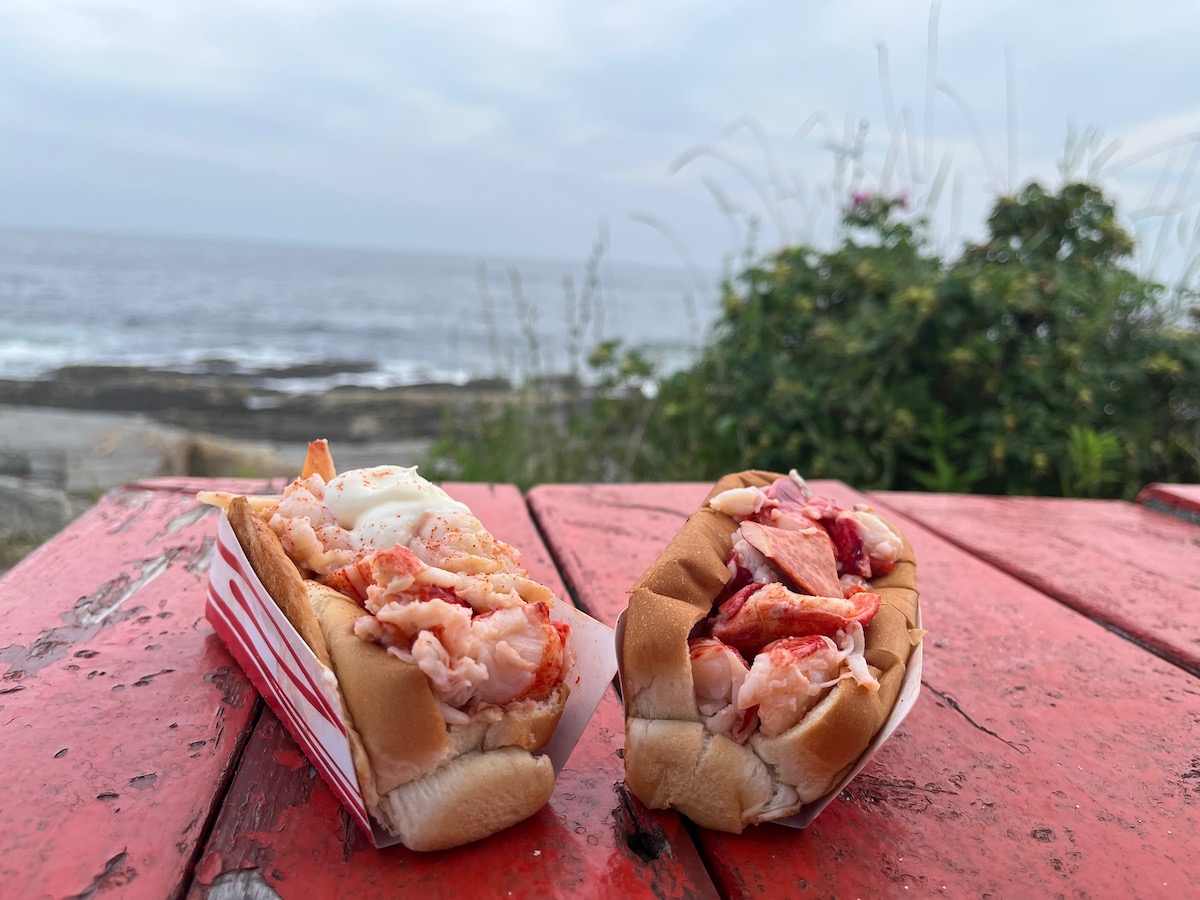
(806, 557)
(762, 613)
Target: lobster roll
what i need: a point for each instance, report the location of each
(449, 668)
(762, 651)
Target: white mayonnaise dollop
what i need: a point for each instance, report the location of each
(383, 506)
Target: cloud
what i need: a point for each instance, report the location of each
(524, 123)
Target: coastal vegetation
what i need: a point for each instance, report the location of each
(1033, 361)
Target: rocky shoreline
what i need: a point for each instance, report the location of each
(252, 406)
(83, 430)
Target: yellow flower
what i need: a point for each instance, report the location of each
(921, 300)
(961, 357)
(1162, 364)
(903, 423)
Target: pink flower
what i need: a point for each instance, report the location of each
(861, 198)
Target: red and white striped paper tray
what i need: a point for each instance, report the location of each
(303, 693)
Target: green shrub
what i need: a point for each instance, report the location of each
(1034, 363)
(554, 430)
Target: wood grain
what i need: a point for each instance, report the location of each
(1179, 500)
(122, 715)
(1047, 756)
(1132, 569)
(282, 828)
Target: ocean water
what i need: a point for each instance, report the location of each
(403, 318)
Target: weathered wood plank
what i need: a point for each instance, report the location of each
(122, 715)
(282, 827)
(1133, 569)
(1046, 756)
(1180, 500)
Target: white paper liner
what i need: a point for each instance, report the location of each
(906, 699)
(303, 693)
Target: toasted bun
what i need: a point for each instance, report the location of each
(528, 725)
(468, 798)
(813, 755)
(717, 783)
(655, 652)
(277, 573)
(375, 685)
(432, 785)
(671, 760)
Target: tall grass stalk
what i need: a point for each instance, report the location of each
(586, 423)
(594, 425)
(752, 180)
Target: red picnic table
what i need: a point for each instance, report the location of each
(1054, 750)
(1182, 500)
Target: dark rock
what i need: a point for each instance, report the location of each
(29, 510)
(16, 465)
(217, 401)
(215, 457)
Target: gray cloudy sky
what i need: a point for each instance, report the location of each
(515, 128)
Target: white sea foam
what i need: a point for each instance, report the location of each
(105, 300)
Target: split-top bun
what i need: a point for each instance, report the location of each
(741, 775)
(431, 782)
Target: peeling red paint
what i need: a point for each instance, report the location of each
(103, 791)
(1134, 569)
(1182, 500)
(284, 822)
(293, 759)
(1047, 756)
